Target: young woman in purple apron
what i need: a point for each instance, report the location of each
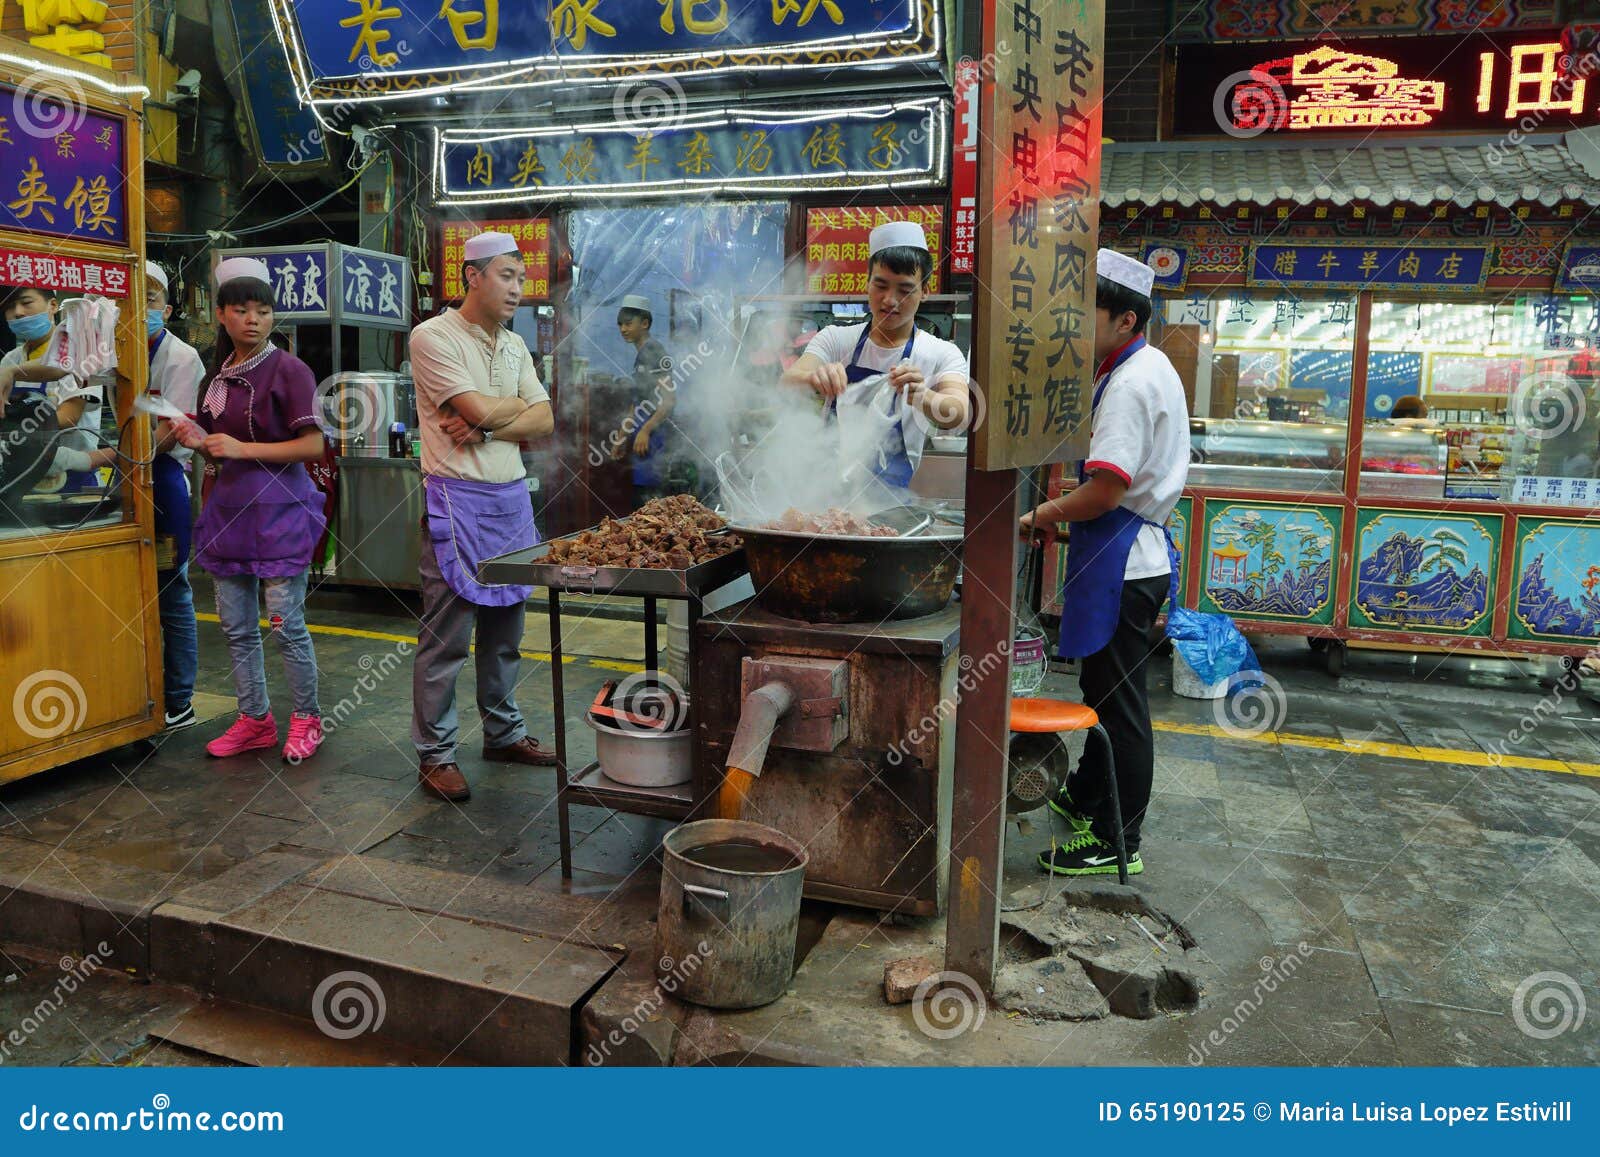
(1119, 565)
(255, 534)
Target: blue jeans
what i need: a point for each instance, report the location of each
(180, 643)
(239, 608)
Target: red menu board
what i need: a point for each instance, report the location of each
(533, 239)
(836, 243)
(64, 274)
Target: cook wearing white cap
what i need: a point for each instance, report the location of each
(478, 397)
(645, 431)
(175, 375)
(1118, 564)
(885, 430)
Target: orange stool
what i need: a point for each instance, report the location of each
(1055, 716)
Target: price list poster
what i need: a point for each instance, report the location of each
(1039, 198)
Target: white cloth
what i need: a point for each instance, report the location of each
(488, 245)
(451, 356)
(1128, 272)
(1141, 434)
(93, 391)
(935, 357)
(175, 374)
(84, 342)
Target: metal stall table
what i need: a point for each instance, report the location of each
(589, 786)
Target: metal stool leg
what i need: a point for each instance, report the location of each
(1116, 804)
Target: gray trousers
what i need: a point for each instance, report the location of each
(443, 642)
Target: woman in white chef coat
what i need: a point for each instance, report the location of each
(884, 425)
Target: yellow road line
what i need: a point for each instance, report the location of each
(1282, 738)
(1385, 750)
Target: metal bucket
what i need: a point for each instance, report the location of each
(725, 938)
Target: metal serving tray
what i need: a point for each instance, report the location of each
(528, 568)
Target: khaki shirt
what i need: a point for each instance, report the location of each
(450, 356)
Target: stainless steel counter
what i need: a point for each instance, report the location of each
(377, 532)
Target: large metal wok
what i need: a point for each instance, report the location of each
(846, 578)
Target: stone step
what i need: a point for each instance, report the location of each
(253, 1036)
(357, 967)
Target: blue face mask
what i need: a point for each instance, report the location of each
(30, 328)
(155, 321)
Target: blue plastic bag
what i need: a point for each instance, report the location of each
(1210, 644)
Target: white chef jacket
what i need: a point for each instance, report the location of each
(63, 390)
(176, 372)
(1140, 433)
(934, 356)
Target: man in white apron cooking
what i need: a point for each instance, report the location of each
(478, 396)
(884, 426)
(1119, 563)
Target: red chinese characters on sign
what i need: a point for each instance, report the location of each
(533, 240)
(63, 274)
(964, 171)
(836, 243)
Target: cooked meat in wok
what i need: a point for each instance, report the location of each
(831, 521)
(666, 533)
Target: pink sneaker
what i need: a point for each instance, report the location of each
(246, 734)
(305, 736)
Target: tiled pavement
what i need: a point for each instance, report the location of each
(1425, 891)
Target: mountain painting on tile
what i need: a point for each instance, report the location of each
(1424, 572)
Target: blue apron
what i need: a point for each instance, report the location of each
(1097, 559)
(895, 469)
(170, 491)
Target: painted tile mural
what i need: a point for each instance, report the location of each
(1178, 527)
(1265, 561)
(1557, 581)
(1419, 571)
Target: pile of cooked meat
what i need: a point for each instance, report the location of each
(831, 521)
(665, 533)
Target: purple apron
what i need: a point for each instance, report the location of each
(1097, 560)
(472, 522)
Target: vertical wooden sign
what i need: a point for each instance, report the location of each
(1039, 184)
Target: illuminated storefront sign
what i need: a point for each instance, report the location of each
(62, 169)
(1580, 270)
(1482, 81)
(391, 49)
(1357, 265)
(330, 283)
(862, 147)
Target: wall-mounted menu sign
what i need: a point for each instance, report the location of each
(1492, 82)
(62, 167)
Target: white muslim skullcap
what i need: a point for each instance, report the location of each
(891, 234)
(1120, 269)
(155, 273)
(234, 268)
(489, 245)
(634, 301)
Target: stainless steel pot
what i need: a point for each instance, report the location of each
(642, 757)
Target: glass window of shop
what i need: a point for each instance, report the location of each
(60, 469)
(1484, 400)
(1269, 375)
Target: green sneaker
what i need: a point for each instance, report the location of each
(1085, 854)
(1061, 803)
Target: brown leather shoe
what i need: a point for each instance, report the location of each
(525, 750)
(445, 781)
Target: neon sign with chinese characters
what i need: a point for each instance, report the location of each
(1480, 81)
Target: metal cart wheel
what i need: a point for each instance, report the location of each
(1334, 655)
(1317, 643)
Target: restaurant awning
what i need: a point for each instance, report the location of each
(1468, 171)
